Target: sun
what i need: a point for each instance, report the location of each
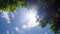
(32, 17)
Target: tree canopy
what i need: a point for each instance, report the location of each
(11, 5)
(50, 11)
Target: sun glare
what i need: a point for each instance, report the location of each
(31, 16)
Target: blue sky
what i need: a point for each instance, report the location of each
(19, 23)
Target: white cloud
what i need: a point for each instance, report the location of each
(7, 32)
(12, 15)
(6, 16)
(25, 26)
(12, 32)
(30, 25)
(46, 33)
(15, 12)
(16, 28)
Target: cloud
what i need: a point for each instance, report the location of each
(30, 25)
(7, 32)
(12, 15)
(5, 15)
(15, 12)
(12, 32)
(46, 33)
(25, 26)
(16, 28)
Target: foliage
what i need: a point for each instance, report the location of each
(10, 5)
(51, 14)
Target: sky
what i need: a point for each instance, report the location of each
(21, 21)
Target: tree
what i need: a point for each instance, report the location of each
(45, 10)
(50, 13)
(11, 5)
